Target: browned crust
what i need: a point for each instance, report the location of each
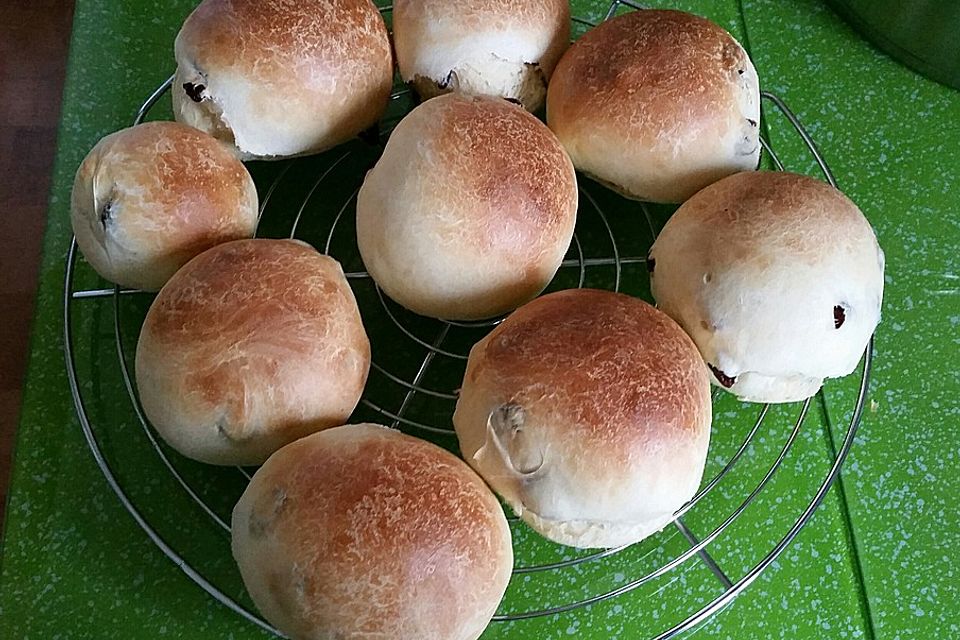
(646, 71)
(238, 334)
(248, 284)
(624, 373)
(279, 37)
(472, 184)
(172, 190)
(387, 535)
(299, 56)
(191, 182)
(760, 213)
(508, 160)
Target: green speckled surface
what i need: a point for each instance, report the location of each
(875, 561)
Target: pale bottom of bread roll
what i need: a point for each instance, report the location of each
(757, 387)
(592, 534)
(515, 80)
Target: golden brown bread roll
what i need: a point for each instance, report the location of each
(657, 105)
(777, 277)
(276, 78)
(147, 199)
(363, 532)
(251, 345)
(469, 211)
(505, 48)
(589, 413)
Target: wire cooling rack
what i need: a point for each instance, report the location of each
(415, 400)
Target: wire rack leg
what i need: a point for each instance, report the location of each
(702, 552)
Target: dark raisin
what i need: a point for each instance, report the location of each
(508, 418)
(752, 122)
(722, 378)
(446, 82)
(740, 72)
(538, 72)
(839, 316)
(106, 213)
(195, 91)
(651, 264)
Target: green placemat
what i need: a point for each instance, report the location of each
(893, 138)
(75, 565)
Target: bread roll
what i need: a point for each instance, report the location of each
(469, 211)
(276, 78)
(251, 345)
(363, 532)
(657, 105)
(147, 199)
(589, 413)
(777, 277)
(505, 48)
